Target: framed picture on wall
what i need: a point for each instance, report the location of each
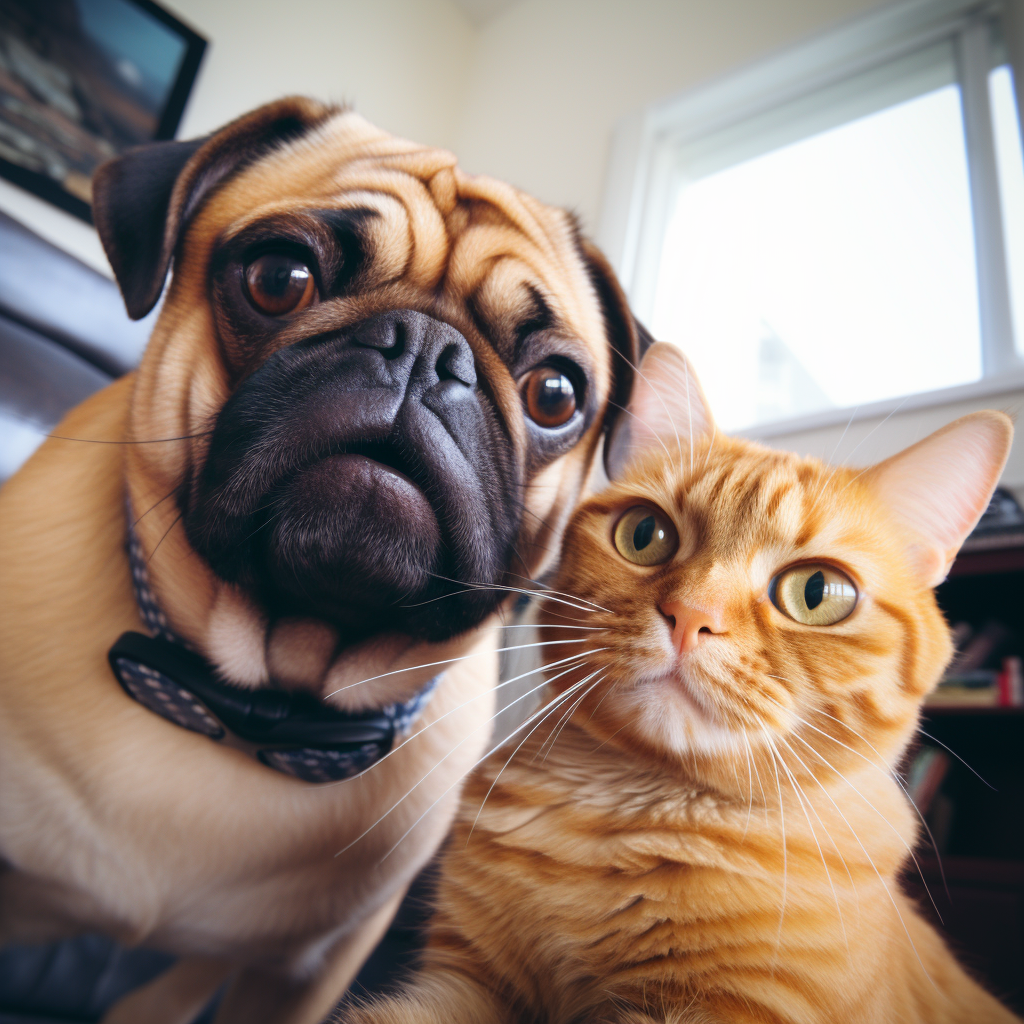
(82, 81)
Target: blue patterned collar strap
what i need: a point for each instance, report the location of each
(291, 732)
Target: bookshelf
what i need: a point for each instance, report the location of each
(979, 822)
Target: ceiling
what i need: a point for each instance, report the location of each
(480, 12)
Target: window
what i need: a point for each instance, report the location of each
(839, 228)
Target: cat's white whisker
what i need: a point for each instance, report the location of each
(549, 742)
(549, 708)
(547, 625)
(884, 768)
(830, 461)
(440, 761)
(496, 587)
(452, 661)
(537, 588)
(601, 701)
(892, 827)
(865, 437)
(568, 715)
(835, 845)
(403, 836)
(817, 753)
(689, 414)
(950, 750)
(801, 798)
(577, 659)
(870, 860)
(668, 412)
(750, 783)
(542, 590)
(785, 853)
(628, 412)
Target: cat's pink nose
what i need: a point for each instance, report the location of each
(690, 625)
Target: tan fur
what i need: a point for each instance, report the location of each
(646, 855)
(113, 819)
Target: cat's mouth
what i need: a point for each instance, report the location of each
(689, 690)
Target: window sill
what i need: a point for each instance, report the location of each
(1011, 380)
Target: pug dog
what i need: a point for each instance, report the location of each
(251, 594)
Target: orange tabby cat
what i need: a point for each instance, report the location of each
(703, 826)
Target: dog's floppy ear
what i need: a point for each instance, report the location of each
(629, 338)
(143, 200)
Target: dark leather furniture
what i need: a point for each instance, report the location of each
(64, 334)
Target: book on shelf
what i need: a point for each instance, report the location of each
(1001, 525)
(925, 775)
(981, 687)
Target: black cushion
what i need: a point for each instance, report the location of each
(39, 381)
(44, 288)
(64, 334)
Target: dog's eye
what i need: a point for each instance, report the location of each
(279, 284)
(550, 397)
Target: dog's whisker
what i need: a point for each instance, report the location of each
(541, 589)
(155, 504)
(174, 523)
(96, 440)
(498, 589)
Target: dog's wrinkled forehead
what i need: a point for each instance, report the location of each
(410, 229)
(397, 224)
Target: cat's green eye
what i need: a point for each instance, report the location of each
(646, 536)
(816, 595)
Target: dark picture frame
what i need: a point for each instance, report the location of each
(85, 80)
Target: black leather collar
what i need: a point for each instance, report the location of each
(291, 732)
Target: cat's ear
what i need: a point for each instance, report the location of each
(667, 410)
(939, 487)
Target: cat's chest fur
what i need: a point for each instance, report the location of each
(588, 865)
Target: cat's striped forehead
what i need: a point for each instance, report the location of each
(740, 496)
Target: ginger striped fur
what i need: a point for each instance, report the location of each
(703, 824)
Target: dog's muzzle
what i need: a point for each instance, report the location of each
(362, 476)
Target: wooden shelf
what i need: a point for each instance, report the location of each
(980, 902)
(948, 710)
(988, 562)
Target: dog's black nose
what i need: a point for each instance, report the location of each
(421, 353)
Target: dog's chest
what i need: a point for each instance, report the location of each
(166, 837)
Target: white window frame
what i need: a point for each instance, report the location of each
(642, 176)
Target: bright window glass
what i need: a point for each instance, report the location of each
(831, 272)
(1010, 164)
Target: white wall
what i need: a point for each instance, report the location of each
(870, 440)
(402, 63)
(533, 97)
(551, 78)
